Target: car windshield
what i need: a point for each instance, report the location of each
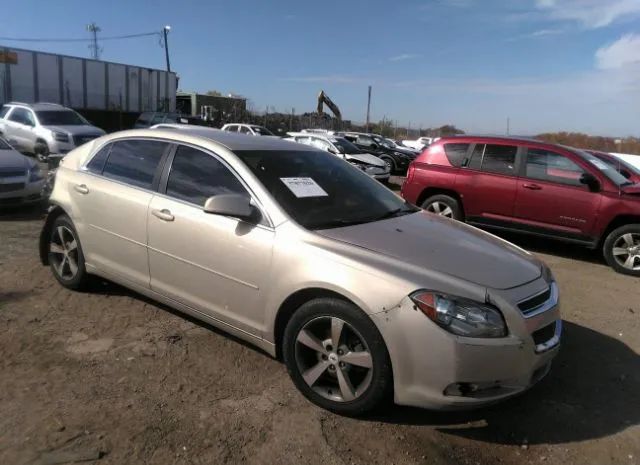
(344, 145)
(618, 163)
(383, 142)
(606, 169)
(321, 191)
(262, 131)
(60, 118)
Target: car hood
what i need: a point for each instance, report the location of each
(12, 159)
(78, 130)
(631, 189)
(447, 246)
(366, 158)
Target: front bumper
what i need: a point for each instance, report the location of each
(31, 193)
(435, 369)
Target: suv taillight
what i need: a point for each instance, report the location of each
(410, 171)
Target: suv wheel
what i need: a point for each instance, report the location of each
(336, 357)
(622, 249)
(443, 205)
(389, 162)
(42, 151)
(65, 254)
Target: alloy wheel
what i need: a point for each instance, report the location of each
(626, 251)
(440, 208)
(63, 252)
(333, 359)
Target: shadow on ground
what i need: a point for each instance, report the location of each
(592, 391)
(29, 213)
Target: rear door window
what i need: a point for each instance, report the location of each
(456, 153)
(135, 162)
(545, 165)
(19, 115)
(475, 161)
(244, 130)
(96, 165)
(499, 159)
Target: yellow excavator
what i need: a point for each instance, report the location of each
(323, 99)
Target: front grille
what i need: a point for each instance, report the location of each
(79, 140)
(531, 304)
(12, 173)
(16, 186)
(543, 334)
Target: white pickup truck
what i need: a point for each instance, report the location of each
(420, 142)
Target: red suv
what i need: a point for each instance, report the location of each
(534, 187)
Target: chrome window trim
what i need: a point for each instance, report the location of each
(545, 306)
(254, 197)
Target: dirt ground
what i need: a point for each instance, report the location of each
(108, 377)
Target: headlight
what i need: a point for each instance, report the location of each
(35, 174)
(460, 316)
(60, 136)
(547, 275)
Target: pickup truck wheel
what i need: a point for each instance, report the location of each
(443, 205)
(622, 249)
(42, 151)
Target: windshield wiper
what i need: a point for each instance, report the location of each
(404, 210)
(338, 223)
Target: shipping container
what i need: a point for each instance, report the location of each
(83, 84)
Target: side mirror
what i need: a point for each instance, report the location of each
(234, 205)
(332, 150)
(590, 181)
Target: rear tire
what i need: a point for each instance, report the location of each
(390, 163)
(336, 357)
(621, 249)
(65, 254)
(444, 205)
(41, 151)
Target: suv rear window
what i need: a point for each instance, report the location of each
(456, 153)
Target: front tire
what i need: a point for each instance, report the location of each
(444, 205)
(336, 357)
(65, 254)
(390, 163)
(621, 249)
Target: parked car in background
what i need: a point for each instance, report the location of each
(370, 164)
(532, 187)
(419, 144)
(44, 128)
(291, 249)
(21, 179)
(151, 118)
(249, 129)
(629, 171)
(398, 160)
(396, 145)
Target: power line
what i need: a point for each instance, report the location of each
(88, 39)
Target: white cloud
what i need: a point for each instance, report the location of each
(621, 53)
(404, 56)
(590, 13)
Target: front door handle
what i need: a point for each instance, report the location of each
(164, 214)
(81, 188)
(533, 187)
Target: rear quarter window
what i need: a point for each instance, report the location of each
(456, 153)
(3, 111)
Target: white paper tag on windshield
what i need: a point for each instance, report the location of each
(304, 187)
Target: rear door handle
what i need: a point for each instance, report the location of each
(164, 214)
(81, 188)
(533, 187)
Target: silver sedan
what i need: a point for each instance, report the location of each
(305, 256)
(21, 179)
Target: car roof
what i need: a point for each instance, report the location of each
(485, 138)
(40, 106)
(231, 140)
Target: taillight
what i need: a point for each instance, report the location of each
(411, 171)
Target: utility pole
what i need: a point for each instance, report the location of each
(508, 125)
(93, 28)
(368, 108)
(165, 31)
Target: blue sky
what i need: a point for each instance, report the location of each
(549, 65)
